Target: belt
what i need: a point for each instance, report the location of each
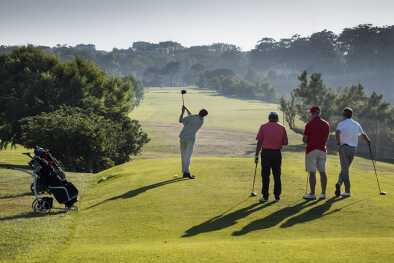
(345, 144)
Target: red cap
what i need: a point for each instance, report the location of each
(314, 109)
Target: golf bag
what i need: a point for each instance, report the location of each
(49, 178)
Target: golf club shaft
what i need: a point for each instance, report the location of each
(254, 178)
(183, 101)
(306, 186)
(374, 167)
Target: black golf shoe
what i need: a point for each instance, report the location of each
(189, 176)
(337, 190)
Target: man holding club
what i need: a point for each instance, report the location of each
(316, 135)
(191, 125)
(347, 134)
(270, 139)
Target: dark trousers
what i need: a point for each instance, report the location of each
(271, 160)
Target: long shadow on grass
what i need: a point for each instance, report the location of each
(224, 220)
(14, 166)
(274, 218)
(138, 191)
(30, 215)
(315, 212)
(16, 195)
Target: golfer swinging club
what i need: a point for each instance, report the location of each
(191, 124)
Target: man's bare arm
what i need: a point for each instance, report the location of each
(285, 138)
(258, 149)
(188, 111)
(366, 137)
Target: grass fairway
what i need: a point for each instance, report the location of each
(230, 128)
(143, 212)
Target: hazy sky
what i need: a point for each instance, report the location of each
(118, 23)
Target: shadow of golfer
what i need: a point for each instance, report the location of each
(14, 166)
(138, 191)
(30, 215)
(274, 218)
(10, 196)
(315, 213)
(224, 220)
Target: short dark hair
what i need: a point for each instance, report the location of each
(347, 112)
(203, 113)
(273, 116)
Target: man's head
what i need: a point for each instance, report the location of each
(314, 111)
(347, 112)
(203, 113)
(273, 117)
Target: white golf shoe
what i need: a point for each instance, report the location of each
(345, 194)
(322, 196)
(310, 196)
(263, 200)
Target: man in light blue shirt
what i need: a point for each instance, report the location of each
(191, 125)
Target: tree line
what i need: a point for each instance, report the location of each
(74, 109)
(371, 110)
(227, 83)
(361, 54)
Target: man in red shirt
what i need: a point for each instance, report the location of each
(270, 139)
(316, 135)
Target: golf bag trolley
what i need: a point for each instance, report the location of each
(50, 180)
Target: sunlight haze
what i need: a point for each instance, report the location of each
(119, 23)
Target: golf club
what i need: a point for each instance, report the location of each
(183, 100)
(307, 182)
(252, 193)
(374, 167)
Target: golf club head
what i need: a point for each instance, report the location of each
(183, 91)
(253, 194)
(383, 193)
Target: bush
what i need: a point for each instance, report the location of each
(32, 82)
(74, 108)
(82, 140)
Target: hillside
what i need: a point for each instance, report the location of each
(142, 211)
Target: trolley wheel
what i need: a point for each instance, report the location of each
(41, 206)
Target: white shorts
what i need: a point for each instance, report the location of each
(315, 160)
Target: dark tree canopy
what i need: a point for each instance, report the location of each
(32, 82)
(73, 108)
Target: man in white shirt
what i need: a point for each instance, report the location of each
(347, 134)
(191, 125)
